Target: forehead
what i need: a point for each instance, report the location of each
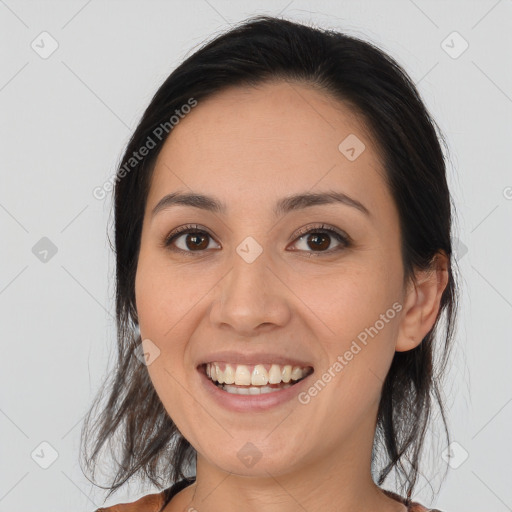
(259, 143)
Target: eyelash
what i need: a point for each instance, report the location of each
(194, 228)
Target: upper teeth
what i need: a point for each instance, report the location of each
(257, 375)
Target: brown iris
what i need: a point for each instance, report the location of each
(195, 241)
(316, 237)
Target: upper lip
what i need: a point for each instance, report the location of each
(234, 357)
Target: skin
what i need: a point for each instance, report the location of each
(250, 147)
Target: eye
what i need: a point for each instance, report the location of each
(194, 239)
(319, 238)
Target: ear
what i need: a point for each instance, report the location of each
(421, 303)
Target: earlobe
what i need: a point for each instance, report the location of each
(422, 303)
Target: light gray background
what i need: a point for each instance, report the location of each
(64, 123)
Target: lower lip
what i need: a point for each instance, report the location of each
(241, 403)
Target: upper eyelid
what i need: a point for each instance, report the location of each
(301, 232)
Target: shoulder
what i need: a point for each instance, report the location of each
(149, 503)
(416, 507)
(413, 507)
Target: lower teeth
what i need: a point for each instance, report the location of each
(251, 390)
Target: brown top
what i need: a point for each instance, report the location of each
(156, 502)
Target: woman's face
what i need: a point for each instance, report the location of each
(252, 289)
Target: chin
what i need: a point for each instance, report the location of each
(245, 458)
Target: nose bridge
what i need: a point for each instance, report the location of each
(250, 267)
(250, 294)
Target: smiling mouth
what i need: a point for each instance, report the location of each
(243, 379)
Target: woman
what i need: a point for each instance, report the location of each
(282, 235)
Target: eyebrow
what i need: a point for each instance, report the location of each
(282, 207)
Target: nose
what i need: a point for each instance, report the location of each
(251, 298)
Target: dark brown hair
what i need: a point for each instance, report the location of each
(132, 422)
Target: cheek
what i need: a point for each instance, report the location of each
(353, 299)
(162, 305)
(162, 298)
(361, 310)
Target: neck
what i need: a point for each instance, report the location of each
(336, 480)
